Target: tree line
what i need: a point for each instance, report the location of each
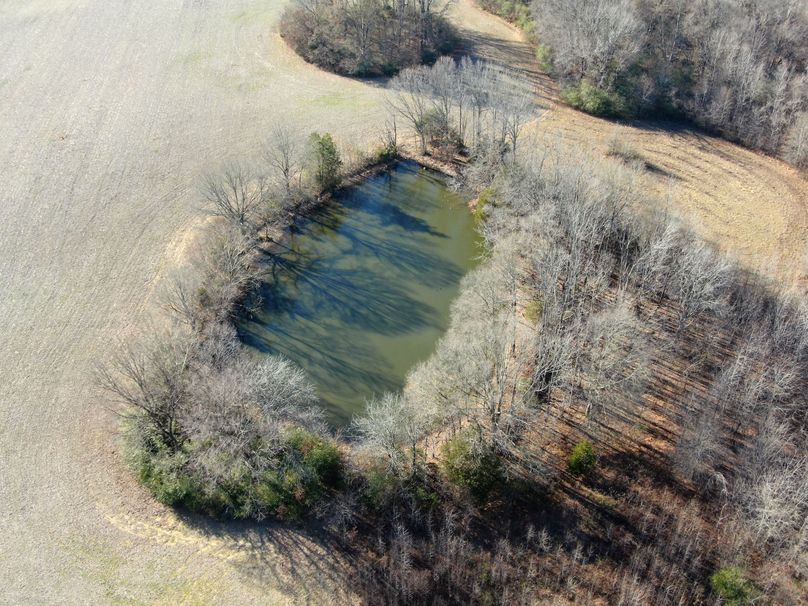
(208, 426)
(367, 37)
(736, 68)
(469, 107)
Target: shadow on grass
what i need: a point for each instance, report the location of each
(305, 562)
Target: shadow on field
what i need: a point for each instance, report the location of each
(304, 562)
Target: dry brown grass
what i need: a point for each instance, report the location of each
(749, 204)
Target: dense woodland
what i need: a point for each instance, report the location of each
(617, 412)
(736, 67)
(366, 37)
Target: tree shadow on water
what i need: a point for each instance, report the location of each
(413, 250)
(354, 296)
(351, 276)
(347, 367)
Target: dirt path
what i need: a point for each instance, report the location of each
(109, 110)
(753, 206)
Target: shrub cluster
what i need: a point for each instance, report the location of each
(214, 430)
(596, 101)
(472, 465)
(366, 37)
(325, 160)
(302, 468)
(732, 587)
(582, 459)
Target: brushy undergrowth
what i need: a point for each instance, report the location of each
(732, 586)
(596, 101)
(472, 465)
(582, 460)
(295, 478)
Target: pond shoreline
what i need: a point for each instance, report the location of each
(281, 229)
(426, 241)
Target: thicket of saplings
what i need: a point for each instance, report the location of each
(737, 68)
(367, 37)
(468, 107)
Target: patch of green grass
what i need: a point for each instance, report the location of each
(732, 586)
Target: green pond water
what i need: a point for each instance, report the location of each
(363, 291)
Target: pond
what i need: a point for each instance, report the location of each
(362, 292)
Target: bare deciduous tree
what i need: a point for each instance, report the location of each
(746, 62)
(392, 424)
(235, 193)
(283, 154)
(590, 38)
(700, 281)
(150, 378)
(410, 101)
(237, 414)
(797, 141)
(773, 489)
(613, 363)
(432, 100)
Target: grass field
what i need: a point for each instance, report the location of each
(110, 110)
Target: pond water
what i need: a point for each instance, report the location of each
(362, 293)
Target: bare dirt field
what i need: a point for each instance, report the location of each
(109, 110)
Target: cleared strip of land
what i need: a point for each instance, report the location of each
(109, 110)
